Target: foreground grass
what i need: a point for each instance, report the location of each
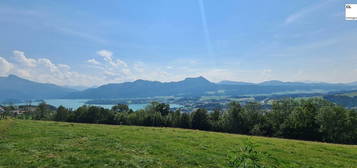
(57, 144)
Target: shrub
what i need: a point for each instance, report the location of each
(249, 157)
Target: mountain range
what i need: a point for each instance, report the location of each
(142, 88)
(16, 88)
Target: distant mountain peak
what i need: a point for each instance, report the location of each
(140, 80)
(273, 81)
(14, 76)
(197, 79)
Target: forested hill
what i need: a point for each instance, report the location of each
(200, 86)
(16, 88)
(142, 88)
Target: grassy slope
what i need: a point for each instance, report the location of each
(351, 94)
(56, 144)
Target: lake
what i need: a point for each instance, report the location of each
(75, 103)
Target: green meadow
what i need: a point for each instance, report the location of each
(25, 143)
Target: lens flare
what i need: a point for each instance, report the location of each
(206, 31)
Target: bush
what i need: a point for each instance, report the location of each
(249, 157)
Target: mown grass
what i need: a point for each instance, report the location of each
(57, 144)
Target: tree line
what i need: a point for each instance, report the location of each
(305, 119)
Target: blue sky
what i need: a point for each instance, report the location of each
(92, 42)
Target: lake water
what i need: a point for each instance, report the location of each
(75, 103)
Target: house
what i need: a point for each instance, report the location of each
(16, 112)
(2, 109)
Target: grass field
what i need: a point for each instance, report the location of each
(351, 94)
(57, 144)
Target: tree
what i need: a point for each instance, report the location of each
(99, 115)
(61, 114)
(215, 115)
(333, 122)
(200, 120)
(252, 117)
(162, 108)
(352, 127)
(80, 114)
(121, 118)
(301, 124)
(106, 116)
(173, 119)
(233, 121)
(215, 120)
(120, 108)
(280, 110)
(42, 112)
(185, 121)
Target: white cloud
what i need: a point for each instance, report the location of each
(108, 57)
(119, 62)
(44, 70)
(106, 54)
(64, 66)
(93, 61)
(139, 67)
(21, 58)
(111, 69)
(110, 73)
(47, 64)
(5, 67)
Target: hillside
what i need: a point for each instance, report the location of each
(57, 144)
(16, 88)
(143, 88)
(191, 87)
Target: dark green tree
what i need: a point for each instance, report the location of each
(162, 108)
(61, 114)
(252, 118)
(215, 119)
(334, 124)
(200, 120)
(233, 121)
(185, 120)
(281, 109)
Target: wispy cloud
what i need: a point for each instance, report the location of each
(307, 11)
(44, 20)
(80, 34)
